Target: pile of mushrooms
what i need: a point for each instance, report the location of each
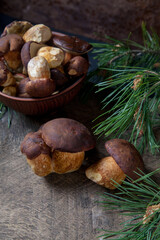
(59, 146)
(36, 62)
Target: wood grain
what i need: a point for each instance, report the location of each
(57, 207)
(116, 18)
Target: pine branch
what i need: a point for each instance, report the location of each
(131, 84)
(139, 200)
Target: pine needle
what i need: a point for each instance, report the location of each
(130, 84)
(132, 200)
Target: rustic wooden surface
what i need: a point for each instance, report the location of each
(116, 18)
(56, 207)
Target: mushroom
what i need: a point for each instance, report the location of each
(54, 56)
(10, 47)
(37, 153)
(124, 161)
(59, 77)
(77, 66)
(28, 51)
(21, 88)
(10, 90)
(17, 27)
(6, 77)
(61, 145)
(71, 44)
(38, 33)
(40, 84)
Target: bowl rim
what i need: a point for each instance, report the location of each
(20, 99)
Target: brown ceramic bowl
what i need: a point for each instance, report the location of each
(39, 106)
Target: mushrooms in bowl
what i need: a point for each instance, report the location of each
(36, 52)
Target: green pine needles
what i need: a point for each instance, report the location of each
(132, 200)
(128, 76)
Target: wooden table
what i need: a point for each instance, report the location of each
(56, 207)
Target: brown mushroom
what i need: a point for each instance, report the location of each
(10, 90)
(6, 77)
(66, 141)
(38, 33)
(10, 47)
(21, 88)
(17, 27)
(40, 84)
(53, 55)
(29, 50)
(40, 87)
(59, 77)
(71, 44)
(37, 153)
(77, 66)
(124, 161)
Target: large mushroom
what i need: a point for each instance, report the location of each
(10, 47)
(40, 84)
(17, 27)
(59, 146)
(71, 44)
(124, 160)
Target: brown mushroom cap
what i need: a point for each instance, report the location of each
(71, 44)
(67, 135)
(40, 87)
(10, 42)
(33, 145)
(126, 156)
(17, 27)
(29, 50)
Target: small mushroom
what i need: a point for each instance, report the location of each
(38, 68)
(59, 146)
(28, 51)
(38, 33)
(77, 66)
(54, 56)
(10, 90)
(21, 88)
(37, 153)
(71, 44)
(40, 84)
(59, 77)
(124, 161)
(19, 77)
(40, 87)
(17, 27)
(10, 47)
(6, 77)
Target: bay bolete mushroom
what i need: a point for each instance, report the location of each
(71, 44)
(77, 66)
(17, 27)
(59, 146)
(29, 50)
(10, 47)
(6, 77)
(40, 84)
(124, 160)
(38, 33)
(53, 55)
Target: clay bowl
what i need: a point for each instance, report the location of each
(40, 106)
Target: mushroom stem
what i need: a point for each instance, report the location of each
(65, 162)
(104, 171)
